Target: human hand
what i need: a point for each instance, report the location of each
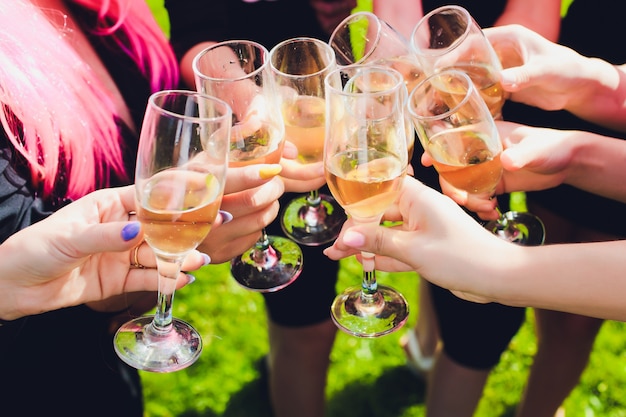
(533, 159)
(82, 253)
(550, 73)
(251, 196)
(554, 77)
(433, 240)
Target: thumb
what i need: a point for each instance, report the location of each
(517, 157)
(513, 79)
(109, 237)
(376, 239)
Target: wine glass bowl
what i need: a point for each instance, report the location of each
(364, 38)
(365, 160)
(238, 72)
(449, 37)
(299, 66)
(179, 184)
(456, 128)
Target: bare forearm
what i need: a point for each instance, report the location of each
(578, 278)
(403, 15)
(597, 165)
(601, 96)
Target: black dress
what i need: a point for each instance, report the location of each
(63, 362)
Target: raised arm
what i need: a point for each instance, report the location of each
(442, 243)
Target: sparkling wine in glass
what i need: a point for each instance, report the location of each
(238, 72)
(364, 38)
(457, 130)
(179, 184)
(299, 66)
(449, 37)
(365, 160)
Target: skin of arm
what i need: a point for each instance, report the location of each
(542, 16)
(80, 254)
(441, 242)
(401, 14)
(554, 77)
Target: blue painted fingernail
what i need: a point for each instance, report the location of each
(190, 279)
(226, 216)
(206, 259)
(130, 231)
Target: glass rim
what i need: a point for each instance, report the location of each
(398, 85)
(441, 51)
(225, 112)
(471, 89)
(199, 56)
(356, 16)
(330, 52)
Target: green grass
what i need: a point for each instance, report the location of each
(367, 377)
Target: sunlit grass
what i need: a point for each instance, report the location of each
(367, 377)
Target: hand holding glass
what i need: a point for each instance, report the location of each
(180, 175)
(365, 159)
(457, 130)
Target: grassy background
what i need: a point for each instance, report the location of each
(367, 377)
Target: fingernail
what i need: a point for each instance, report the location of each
(270, 171)
(130, 231)
(206, 259)
(190, 279)
(352, 238)
(226, 216)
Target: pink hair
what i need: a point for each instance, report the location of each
(55, 110)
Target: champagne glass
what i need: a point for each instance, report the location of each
(238, 72)
(299, 66)
(365, 160)
(449, 37)
(179, 184)
(457, 130)
(364, 38)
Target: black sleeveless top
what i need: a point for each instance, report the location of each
(62, 362)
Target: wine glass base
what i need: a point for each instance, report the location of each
(519, 227)
(367, 317)
(269, 270)
(142, 346)
(313, 225)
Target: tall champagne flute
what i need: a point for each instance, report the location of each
(365, 160)
(364, 38)
(449, 37)
(179, 184)
(457, 130)
(299, 66)
(238, 72)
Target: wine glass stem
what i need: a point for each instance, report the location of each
(263, 253)
(168, 268)
(314, 198)
(369, 285)
(501, 219)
